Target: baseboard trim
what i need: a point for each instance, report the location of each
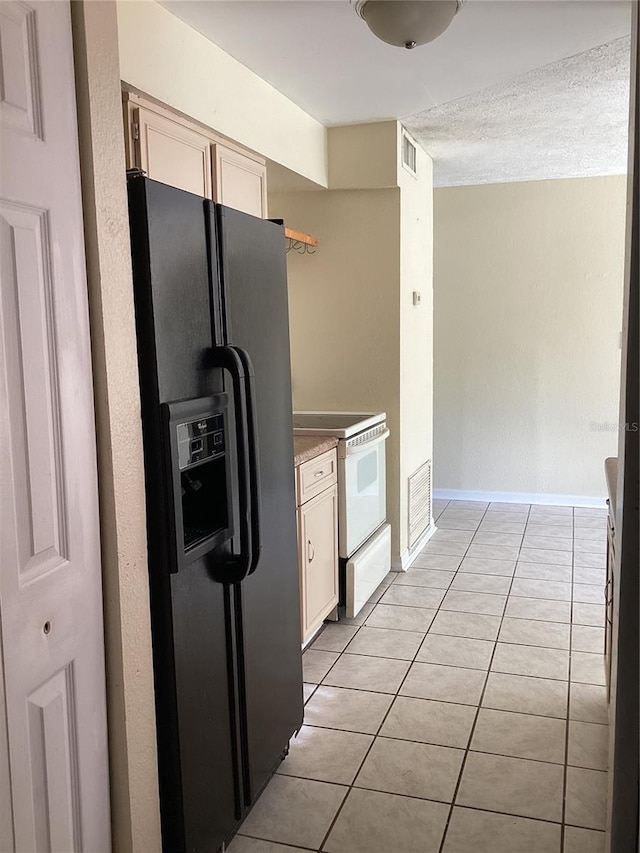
(519, 497)
(402, 562)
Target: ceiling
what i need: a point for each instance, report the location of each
(323, 57)
(568, 119)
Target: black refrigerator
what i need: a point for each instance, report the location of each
(210, 294)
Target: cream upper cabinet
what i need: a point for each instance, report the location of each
(239, 180)
(172, 153)
(177, 151)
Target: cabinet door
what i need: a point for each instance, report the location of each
(172, 153)
(240, 181)
(319, 558)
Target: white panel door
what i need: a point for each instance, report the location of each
(53, 741)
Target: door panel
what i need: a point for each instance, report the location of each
(20, 106)
(32, 386)
(51, 723)
(50, 585)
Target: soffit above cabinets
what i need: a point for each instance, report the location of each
(324, 58)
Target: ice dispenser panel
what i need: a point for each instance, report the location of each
(197, 433)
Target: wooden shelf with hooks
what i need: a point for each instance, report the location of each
(301, 237)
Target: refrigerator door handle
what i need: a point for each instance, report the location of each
(238, 566)
(254, 460)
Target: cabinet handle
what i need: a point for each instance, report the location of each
(310, 551)
(318, 474)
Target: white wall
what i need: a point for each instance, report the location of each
(528, 300)
(163, 57)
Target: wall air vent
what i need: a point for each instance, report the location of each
(408, 154)
(419, 502)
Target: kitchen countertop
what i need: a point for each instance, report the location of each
(611, 474)
(306, 447)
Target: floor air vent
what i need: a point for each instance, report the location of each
(419, 502)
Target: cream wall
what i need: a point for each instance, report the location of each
(344, 308)
(528, 305)
(130, 698)
(416, 326)
(167, 59)
(363, 156)
(357, 340)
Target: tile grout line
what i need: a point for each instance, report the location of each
(566, 742)
(475, 719)
(349, 787)
(557, 823)
(382, 722)
(455, 791)
(395, 695)
(441, 745)
(458, 666)
(568, 723)
(239, 834)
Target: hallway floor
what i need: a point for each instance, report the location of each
(464, 710)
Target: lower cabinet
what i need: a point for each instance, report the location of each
(318, 558)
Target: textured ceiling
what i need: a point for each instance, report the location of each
(568, 119)
(495, 98)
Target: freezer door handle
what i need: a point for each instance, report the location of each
(254, 460)
(238, 566)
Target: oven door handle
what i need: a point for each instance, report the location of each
(354, 449)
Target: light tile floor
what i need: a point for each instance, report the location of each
(464, 709)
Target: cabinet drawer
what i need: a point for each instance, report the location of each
(317, 475)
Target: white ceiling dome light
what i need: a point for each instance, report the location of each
(407, 23)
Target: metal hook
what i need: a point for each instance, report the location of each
(299, 247)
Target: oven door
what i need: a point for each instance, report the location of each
(363, 500)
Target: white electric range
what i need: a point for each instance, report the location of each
(364, 537)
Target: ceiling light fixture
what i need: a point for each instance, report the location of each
(407, 23)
